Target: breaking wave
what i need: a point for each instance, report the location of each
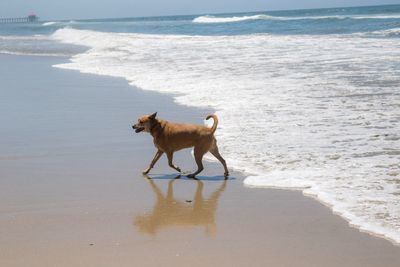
(49, 23)
(215, 19)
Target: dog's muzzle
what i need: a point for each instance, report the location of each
(137, 129)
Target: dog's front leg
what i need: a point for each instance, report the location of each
(155, 159)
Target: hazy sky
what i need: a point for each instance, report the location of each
(75, 9)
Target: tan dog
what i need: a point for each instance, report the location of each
(169, 137)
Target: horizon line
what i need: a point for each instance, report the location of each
(216, 13)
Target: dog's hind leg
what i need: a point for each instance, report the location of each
(155, 159)
(170, 156)
(198, 156)
(214, 150)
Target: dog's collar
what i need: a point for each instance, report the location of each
(157, 124)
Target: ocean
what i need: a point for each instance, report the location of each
(307, 99)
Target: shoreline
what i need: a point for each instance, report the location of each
(59, 159)
(330, 207)
(333, 168)
(363, 226)
(210, 159)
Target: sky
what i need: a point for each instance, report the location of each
(86, 9)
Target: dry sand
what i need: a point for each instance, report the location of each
(72, 193)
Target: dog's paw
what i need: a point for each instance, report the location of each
(191, 175)
(178, 169)
(226, 175)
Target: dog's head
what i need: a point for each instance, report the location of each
(145, 123)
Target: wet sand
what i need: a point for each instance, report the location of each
(72, 193)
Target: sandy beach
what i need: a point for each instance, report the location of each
(72, 192)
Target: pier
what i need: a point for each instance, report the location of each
(29, 19)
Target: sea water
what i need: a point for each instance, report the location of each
(307, 99)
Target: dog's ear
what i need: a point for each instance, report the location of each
(153, 116)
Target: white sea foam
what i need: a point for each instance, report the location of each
(23, 38)
(382, 16)
(316, 113)
(35, 45)
(395, 32)
(49, 23)
(27, 53)
(215, 19)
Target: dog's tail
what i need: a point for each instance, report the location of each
(214, 127)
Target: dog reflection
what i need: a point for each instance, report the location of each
(168, 211)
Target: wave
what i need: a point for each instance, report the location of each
(395, 32)
(297, 111)
(214, 19)
(63, 23)
(36, 54)
(36, 37)
(35, 45)
(49, 23)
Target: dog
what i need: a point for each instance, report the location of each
(169, 137)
